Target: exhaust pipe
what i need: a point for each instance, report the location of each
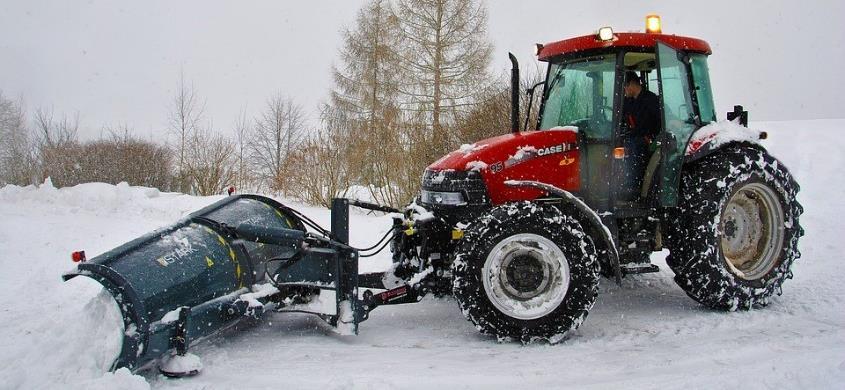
(514, 94)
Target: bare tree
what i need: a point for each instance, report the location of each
(367, 81)
(53, 132)
(17, 149)
(446, 58)
(278, 131)
(243, 132)
(366, 98)
(58, 148)
(185, 115)
(319, 168)
(490, 115)
(210, 165)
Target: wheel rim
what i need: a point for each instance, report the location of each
(526, 276)
(752, 231)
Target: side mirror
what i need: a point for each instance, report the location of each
(739, 113)
(531, 102)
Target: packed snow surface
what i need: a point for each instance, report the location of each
(644, 334)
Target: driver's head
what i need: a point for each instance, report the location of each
(633, 86)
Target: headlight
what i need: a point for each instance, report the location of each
(605, 34)
(447, 198)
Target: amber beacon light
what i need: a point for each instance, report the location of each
(652, 24)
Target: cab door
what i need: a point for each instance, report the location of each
(680, 119)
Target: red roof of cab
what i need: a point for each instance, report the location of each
(588, 42)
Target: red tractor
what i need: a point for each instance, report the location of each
(520, 227)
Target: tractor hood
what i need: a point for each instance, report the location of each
(549, 156)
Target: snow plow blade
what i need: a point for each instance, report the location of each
(235, 258)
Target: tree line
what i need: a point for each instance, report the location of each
(411, 84)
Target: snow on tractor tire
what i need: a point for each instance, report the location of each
(735, 233)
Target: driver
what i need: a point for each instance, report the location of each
(641, 110)
(641, 125)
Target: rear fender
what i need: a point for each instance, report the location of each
(715, 136)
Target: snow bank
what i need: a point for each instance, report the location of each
(105, 199)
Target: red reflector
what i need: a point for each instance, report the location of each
(78, 256)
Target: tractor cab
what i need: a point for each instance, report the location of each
(584, 88)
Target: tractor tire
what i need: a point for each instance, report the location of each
(526, 272)
(735, 234)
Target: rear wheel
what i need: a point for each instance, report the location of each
(527, 272)
(735, 236)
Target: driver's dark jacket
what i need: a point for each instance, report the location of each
(641, 116)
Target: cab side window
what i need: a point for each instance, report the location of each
(703, 92)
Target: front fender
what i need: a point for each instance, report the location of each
(588, 219)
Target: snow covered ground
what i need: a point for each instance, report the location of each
(644, 334)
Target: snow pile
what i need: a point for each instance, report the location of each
(75, 342)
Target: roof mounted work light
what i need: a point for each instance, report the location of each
(605, 34)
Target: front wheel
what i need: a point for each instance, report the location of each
(736, 234)
(526, 271)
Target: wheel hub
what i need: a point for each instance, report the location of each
(526, 276)
(752, 231)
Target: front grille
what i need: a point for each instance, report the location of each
(467, 182)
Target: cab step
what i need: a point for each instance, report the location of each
(639, 268)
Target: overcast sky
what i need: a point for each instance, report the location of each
(118, 62)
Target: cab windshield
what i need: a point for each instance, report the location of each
(580, 93)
